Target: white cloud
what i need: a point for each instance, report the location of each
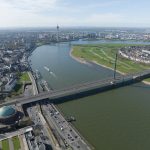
(104, 18)
(27, 13)
(24, 12)
(30, 5)
(101, 4)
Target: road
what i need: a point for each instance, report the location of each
(70, 137)
(34, 86)
(82, 88)
(41, 127)
(15, 133)
(61, 93)
(34, 115)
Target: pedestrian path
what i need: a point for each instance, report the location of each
(11, 145)
(0, 145)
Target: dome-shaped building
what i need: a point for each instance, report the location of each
(7, 114)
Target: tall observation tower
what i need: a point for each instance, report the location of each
(57, 33)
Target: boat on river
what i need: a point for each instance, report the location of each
(46, 68)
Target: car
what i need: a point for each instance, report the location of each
(56, 112)
(76, 136)
(61, 128)
(78, 146)
(112, 82)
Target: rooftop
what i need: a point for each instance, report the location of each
(7, 111)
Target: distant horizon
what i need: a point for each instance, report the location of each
(73, 27)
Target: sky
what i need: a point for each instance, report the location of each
(71, 13)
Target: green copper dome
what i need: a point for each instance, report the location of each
(7, 111)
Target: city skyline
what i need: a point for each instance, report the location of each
(49, 13)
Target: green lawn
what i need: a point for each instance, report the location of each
(5, 145)
(147, 80)
(16, 143)
(24, 77)
(105, 54)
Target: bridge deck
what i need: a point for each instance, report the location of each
(80, 88)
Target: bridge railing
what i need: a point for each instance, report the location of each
(84, 86)
(97, 82)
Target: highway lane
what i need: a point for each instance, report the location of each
(39, 123)
(59, 93)
(64, 129)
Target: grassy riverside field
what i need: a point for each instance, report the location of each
(104, 54)
(24, 77)
(5, 145)
(16, 143)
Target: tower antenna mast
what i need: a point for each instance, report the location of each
(57, 33)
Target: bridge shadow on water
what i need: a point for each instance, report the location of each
(87, 93)
(143, 86)
(78, 93)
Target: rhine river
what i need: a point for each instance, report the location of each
(113, 120)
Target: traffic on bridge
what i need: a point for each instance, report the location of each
(100, 85)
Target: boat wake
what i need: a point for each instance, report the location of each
(53, 74)
(46, 68)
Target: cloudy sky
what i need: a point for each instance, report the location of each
(100, 13)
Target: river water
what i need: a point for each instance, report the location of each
(113, 120)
